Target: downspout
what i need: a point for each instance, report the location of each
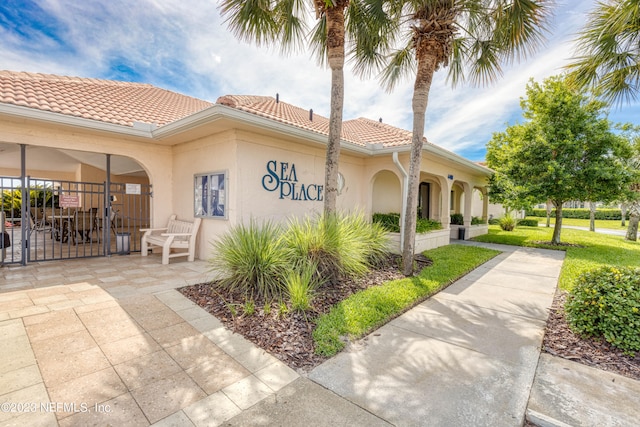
(405, 191)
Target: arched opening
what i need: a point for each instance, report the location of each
(61, 203)
(386, 193)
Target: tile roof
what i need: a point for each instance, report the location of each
(108, 101)
(359, 131)
(124, 103)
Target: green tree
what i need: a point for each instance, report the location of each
(357, 24)
(564, 150)
(471, 37)
(631, 197)
(607, 57)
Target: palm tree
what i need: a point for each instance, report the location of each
(358, 24)
(607, 60)
(472, 37)
(608, 51)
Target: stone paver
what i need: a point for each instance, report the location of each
(111, 342)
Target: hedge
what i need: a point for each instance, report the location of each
(391, 222)
(612, 214)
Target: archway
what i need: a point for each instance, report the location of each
(386, 193)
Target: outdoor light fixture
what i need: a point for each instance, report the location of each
(450, 177)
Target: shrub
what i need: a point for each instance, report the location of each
(507, 223)
(476, 220)
(457, 219)
(494, 221)
(252, 259)
(528, 222)
(337, 244)
(610, 214)
(391, 223)
(606, 302)
(424, 225)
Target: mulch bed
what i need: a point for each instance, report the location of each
(560, 341)
(287, 336)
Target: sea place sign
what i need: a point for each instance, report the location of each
(281, 177)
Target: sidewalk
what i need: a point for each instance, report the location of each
(466, 356)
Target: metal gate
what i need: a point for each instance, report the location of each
(53, 219)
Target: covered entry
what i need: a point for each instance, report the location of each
(47, 217)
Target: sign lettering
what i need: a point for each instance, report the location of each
(282, 178)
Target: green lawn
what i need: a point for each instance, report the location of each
(364, 311)
(600, 223)
(594, 249)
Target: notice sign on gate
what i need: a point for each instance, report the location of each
(69, 201)
(132, 189)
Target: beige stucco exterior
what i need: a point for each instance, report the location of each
(250, 150)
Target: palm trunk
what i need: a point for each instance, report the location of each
(335, 52)
(555, 240)
(592, 216)
(424, 76)
(634, 216)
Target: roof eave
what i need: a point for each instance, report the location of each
(66, 120)
(438, 151)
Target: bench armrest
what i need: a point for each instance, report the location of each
(153, 229)
(175, 234)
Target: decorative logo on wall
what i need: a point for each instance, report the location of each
(282, 178)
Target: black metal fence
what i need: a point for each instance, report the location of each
(53, 219)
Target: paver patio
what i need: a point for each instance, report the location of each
(110, 341)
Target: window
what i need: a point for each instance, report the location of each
(210, 195)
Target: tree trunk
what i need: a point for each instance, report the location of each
(634, 216)
(592, 216)
(424, 76)
(548, 213)
(335, 53)
(555, 240)
(623, 212)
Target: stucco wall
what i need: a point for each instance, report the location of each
(154, 158)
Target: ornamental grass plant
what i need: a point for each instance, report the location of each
(338, 245)
(259, 259)
(252, 259)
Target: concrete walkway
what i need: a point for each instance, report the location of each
(467, 356)
(109, 341)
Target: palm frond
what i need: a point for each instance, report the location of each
(401, 64)
(290, 24)
(371, 32)
(250, 20)
(608, 52)
(318, 41)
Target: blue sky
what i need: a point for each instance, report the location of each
(184, 45)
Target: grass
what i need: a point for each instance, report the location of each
(600, 223)
(594, 250)
(364, 311)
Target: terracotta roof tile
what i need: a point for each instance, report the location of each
(359, 131)
(108, 101)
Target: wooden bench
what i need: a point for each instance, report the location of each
(178, 234)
